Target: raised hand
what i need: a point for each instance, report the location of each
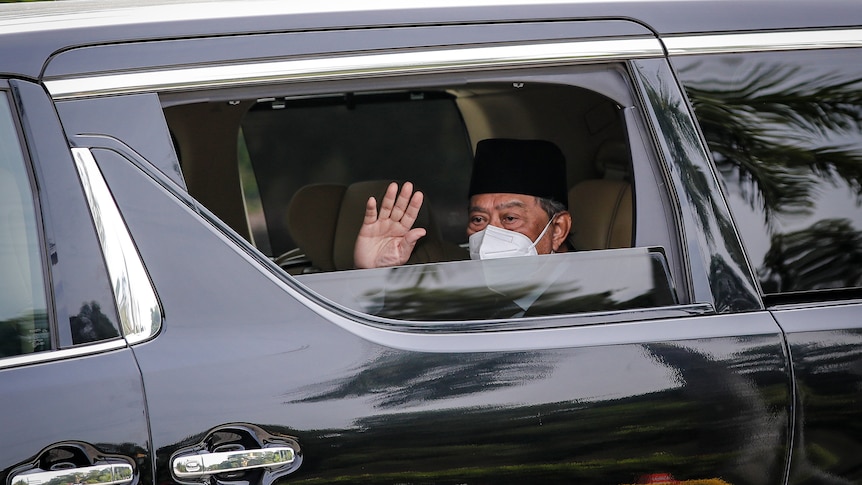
(388, 238)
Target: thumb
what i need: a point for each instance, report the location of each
(414, 235)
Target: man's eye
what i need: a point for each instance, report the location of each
(477, 220)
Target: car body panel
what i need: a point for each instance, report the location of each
(469, 406)
(824, 345)
(96, 399)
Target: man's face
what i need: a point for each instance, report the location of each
(515, 212)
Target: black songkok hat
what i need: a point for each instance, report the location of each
(528, 167)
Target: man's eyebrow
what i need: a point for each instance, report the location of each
(508, 205)
(504, 205)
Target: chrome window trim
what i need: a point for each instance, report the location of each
(354, 66)
(140, 312)
(54, 355)
(680, 45)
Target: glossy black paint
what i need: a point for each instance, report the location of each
(97, 398)
(716, 256)
(795, 197)
(478, 415)
(129, 119)
(826, 349)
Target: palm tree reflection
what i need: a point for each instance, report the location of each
(438, 410)
(781, 144)
(398, 380)
(709, 217)
(826, 255)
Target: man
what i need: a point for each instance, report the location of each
(518, 206)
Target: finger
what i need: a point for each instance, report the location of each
(412, 211)
(402, 202)
(414, 235)
(388, 201)
(370, 211)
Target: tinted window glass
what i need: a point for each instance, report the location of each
(577, 282)
(23, 308)
(785, 131)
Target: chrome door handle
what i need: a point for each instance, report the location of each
(111, 474)
(203, 464)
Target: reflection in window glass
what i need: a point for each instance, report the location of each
(251, 197)
(506, 288)
(23, 309)
(785, 131)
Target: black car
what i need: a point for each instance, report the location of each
(183, 183)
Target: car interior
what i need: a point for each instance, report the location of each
(318, 158)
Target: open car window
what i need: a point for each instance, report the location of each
(305, 165)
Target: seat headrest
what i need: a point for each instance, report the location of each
(312, 216)
(612, 160)
(601, 214)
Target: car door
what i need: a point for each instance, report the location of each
(72, 403)
(260, 376)
(807, 251)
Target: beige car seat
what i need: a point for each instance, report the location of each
(602, 209)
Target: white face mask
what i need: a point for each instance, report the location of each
(495, 242)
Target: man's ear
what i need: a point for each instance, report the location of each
(560, 229)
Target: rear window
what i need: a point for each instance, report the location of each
(404, 136)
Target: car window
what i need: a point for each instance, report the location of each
(307, 164)
(24, 325)
(785, 132)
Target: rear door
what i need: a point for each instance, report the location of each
(261, 376)
(72, 403)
